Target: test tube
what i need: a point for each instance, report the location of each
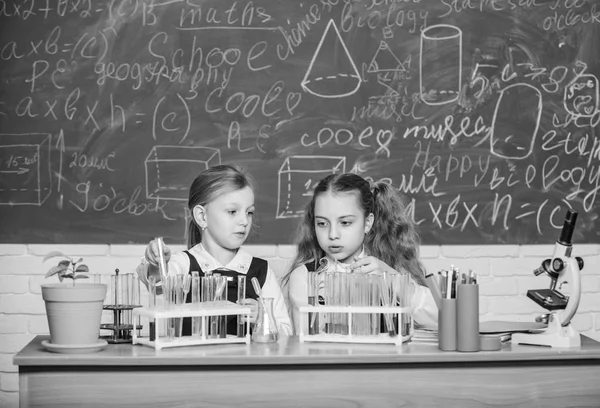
(222, 299)
(205, 299)
(344, 300)
(162, 264)
(125, 295)
(313, 318)
(241, 296)
(135, 301)
(329, 301)
(404, 301)
(386, 295)
(357, 284)
(152, 304)
(374, 300)
(364, 290)
(179, 300)
(196, 321)
(214, 321)
(170, 301)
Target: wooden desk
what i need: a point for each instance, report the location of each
(293, 374)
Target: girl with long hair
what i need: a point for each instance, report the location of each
(364, 227)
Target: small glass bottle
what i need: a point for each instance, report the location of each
(265, 330)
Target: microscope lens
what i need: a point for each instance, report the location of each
(568, 226)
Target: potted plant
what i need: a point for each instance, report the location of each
(74, 310)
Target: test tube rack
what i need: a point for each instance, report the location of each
(121, 331)
(351, 311)
(125, 297)
(205, 310)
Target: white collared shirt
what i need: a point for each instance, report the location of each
(179, 264)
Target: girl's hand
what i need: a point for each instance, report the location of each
(152, 254)
(369, 265)
(253, 304)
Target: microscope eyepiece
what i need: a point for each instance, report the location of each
(567, 231)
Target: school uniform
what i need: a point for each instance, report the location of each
(423, 308)
(198, 259)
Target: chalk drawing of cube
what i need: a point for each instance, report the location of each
(170, 170)
(582, 96)
(25, 173)
(298, 176)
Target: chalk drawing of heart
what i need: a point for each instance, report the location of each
(292, 101)
(589, 110)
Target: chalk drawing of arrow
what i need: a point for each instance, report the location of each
(21, 170)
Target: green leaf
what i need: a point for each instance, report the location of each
(68, 276)
(79, 260)
(81, 277)
(82, 268)
(54, 254)
(56, 269)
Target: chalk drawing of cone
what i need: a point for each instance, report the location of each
(516, 121)
(385, 60)
(440, 64)
(329, 74)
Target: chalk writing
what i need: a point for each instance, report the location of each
(484, 114)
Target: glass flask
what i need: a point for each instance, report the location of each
(265, 330)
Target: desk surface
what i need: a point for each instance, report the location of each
(289, 351)
(309, 375)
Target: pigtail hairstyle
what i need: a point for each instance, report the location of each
(393, 237)
(210, 184)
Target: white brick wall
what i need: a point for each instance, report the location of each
(505, 271)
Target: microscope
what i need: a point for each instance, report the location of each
(564, 272)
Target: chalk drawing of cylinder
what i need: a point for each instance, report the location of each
(440, 64)
(516, 121)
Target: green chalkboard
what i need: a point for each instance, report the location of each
(485, 113)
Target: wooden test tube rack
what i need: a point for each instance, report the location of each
(207, 309)
(382, 338)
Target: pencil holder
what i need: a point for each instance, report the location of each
(447, 325)
(467, 313)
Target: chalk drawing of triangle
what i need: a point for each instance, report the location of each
(330, 75)
(385, 60)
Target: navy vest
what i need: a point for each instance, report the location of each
(258, 269)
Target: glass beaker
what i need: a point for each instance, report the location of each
(265, 330)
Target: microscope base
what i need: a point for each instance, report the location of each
(554, 336)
